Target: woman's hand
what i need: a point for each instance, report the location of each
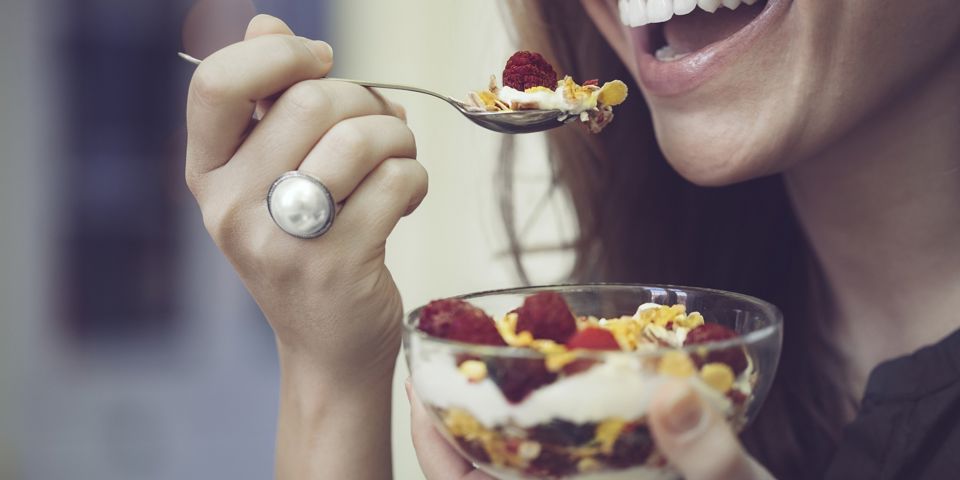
(691, 434)
(331, 301)
(696, 438)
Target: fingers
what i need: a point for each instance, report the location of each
(395, 188)
(696, 438)
(355, 147)
(259, 26)
(293, 126)
(227, 85)
(438, 460)
(266, 25)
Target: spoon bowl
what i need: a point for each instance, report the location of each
(519, 121)
(512, 122)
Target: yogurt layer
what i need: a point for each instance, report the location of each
(548, 100)
(621, 386)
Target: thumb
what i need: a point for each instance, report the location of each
(696, 439)
(437, 458)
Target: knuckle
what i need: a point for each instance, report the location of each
(222, 225)
(288, 50)
(421, 179)
(408, 141)
(307, 98)
(193, 181)
(399, 177)
(393, 171)
(347, 140)
(210, 85)
(400, 111)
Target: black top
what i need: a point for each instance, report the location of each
(908, 426)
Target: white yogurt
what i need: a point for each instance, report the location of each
(618, 387)
(554, 100)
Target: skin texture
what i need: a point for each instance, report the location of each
(855, 102)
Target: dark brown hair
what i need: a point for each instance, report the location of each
(641, 222)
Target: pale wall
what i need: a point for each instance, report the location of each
(449, 245)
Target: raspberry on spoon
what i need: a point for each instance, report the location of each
(527, 70)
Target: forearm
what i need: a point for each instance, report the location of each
(333, 428)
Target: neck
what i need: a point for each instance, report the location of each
(882, 212)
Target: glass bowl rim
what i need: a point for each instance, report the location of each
(774, 328)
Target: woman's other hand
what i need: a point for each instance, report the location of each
(696, 438)
(691, 434)
(330, 300)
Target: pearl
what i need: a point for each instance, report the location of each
(300, 206)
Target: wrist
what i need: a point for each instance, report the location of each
(308, 375)
(351, 357)
(332, 424)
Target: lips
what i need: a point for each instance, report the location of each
(681, 44)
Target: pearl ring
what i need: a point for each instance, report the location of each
(301, 205)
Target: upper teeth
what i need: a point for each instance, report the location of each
(635, 13)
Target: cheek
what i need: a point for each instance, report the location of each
(869, 55)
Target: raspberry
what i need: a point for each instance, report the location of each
(734, 357)
(458, 320)
(578, 366)
(632, 448)
(593, 339)
(527, 70)
(517, 377)
(562, 433)
(547, 317)
(474, 450)
(590, 338)
(552, 464)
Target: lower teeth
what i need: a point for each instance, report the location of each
(666, 54)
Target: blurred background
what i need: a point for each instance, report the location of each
(128, 348)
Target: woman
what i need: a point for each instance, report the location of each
(814, 161)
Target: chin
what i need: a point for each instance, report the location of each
(720, 153)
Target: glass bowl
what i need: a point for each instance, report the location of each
(514, 421)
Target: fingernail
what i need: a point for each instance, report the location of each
(685, 410)
(406, 387)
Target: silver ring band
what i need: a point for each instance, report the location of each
(301, 205)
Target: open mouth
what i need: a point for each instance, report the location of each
(681, 43)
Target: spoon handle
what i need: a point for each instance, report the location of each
(510, 122)
(391, 86)
(394, 86)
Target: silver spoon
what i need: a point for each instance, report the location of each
(517, 121)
